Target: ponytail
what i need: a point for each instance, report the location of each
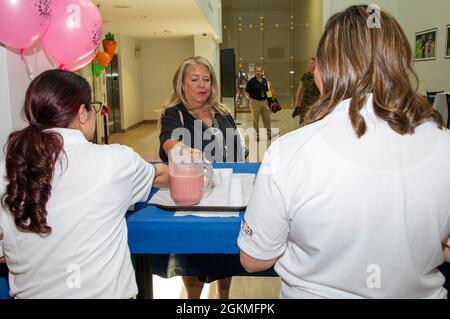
(30, 161)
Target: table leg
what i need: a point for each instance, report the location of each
(144, 276)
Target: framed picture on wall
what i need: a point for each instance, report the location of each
(425, 48)
(447, 48)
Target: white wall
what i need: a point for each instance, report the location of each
(131, 106)
(331, 7)
(19, 80)
(207, 47)
(160, 60)
(212, 9)
(414, 16)
(419, 15)
(14, 82)
(5, 109)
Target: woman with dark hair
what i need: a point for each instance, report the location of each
(355, 204)
(64, 199)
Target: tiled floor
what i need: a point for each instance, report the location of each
(241, 288)
(144, 140)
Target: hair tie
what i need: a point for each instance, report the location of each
(36, 125)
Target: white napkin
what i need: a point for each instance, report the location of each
(236, 192)
(224, 175)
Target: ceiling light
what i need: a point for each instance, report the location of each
(120, 6)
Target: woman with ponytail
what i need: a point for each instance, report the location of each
(64, 199)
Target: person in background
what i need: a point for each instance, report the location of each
(355, 204)
(256, 92)
(62, 220)
(241, 83)
(307, 92)
(194, 102)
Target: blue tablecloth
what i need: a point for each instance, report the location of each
(152, 230)
(4, 287)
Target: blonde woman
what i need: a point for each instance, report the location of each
(194, 110)
(194, 116)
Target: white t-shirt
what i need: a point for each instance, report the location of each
(86, 255)
(353, 218)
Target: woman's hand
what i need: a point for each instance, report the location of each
(168, 145)
(161, 176)
(446, 253)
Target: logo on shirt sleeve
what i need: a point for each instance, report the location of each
(246, 229)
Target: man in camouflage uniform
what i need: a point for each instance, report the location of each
(307, 93)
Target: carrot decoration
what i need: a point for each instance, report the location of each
(109, 44)
(103, 58)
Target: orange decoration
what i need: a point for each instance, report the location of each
(109, 46)
(102, 58)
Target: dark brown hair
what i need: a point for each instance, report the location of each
(356, 60)
(52, 101)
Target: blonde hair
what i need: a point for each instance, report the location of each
(356, 60)
(177, 95)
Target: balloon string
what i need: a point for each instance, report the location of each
(27, 66)
(35, 61)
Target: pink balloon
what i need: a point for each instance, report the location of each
(22, 22)
(74, 33)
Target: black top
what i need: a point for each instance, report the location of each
(257, 90)
(224, 127)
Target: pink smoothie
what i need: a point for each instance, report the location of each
(186, 190)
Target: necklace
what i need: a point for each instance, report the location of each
(210, 117)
